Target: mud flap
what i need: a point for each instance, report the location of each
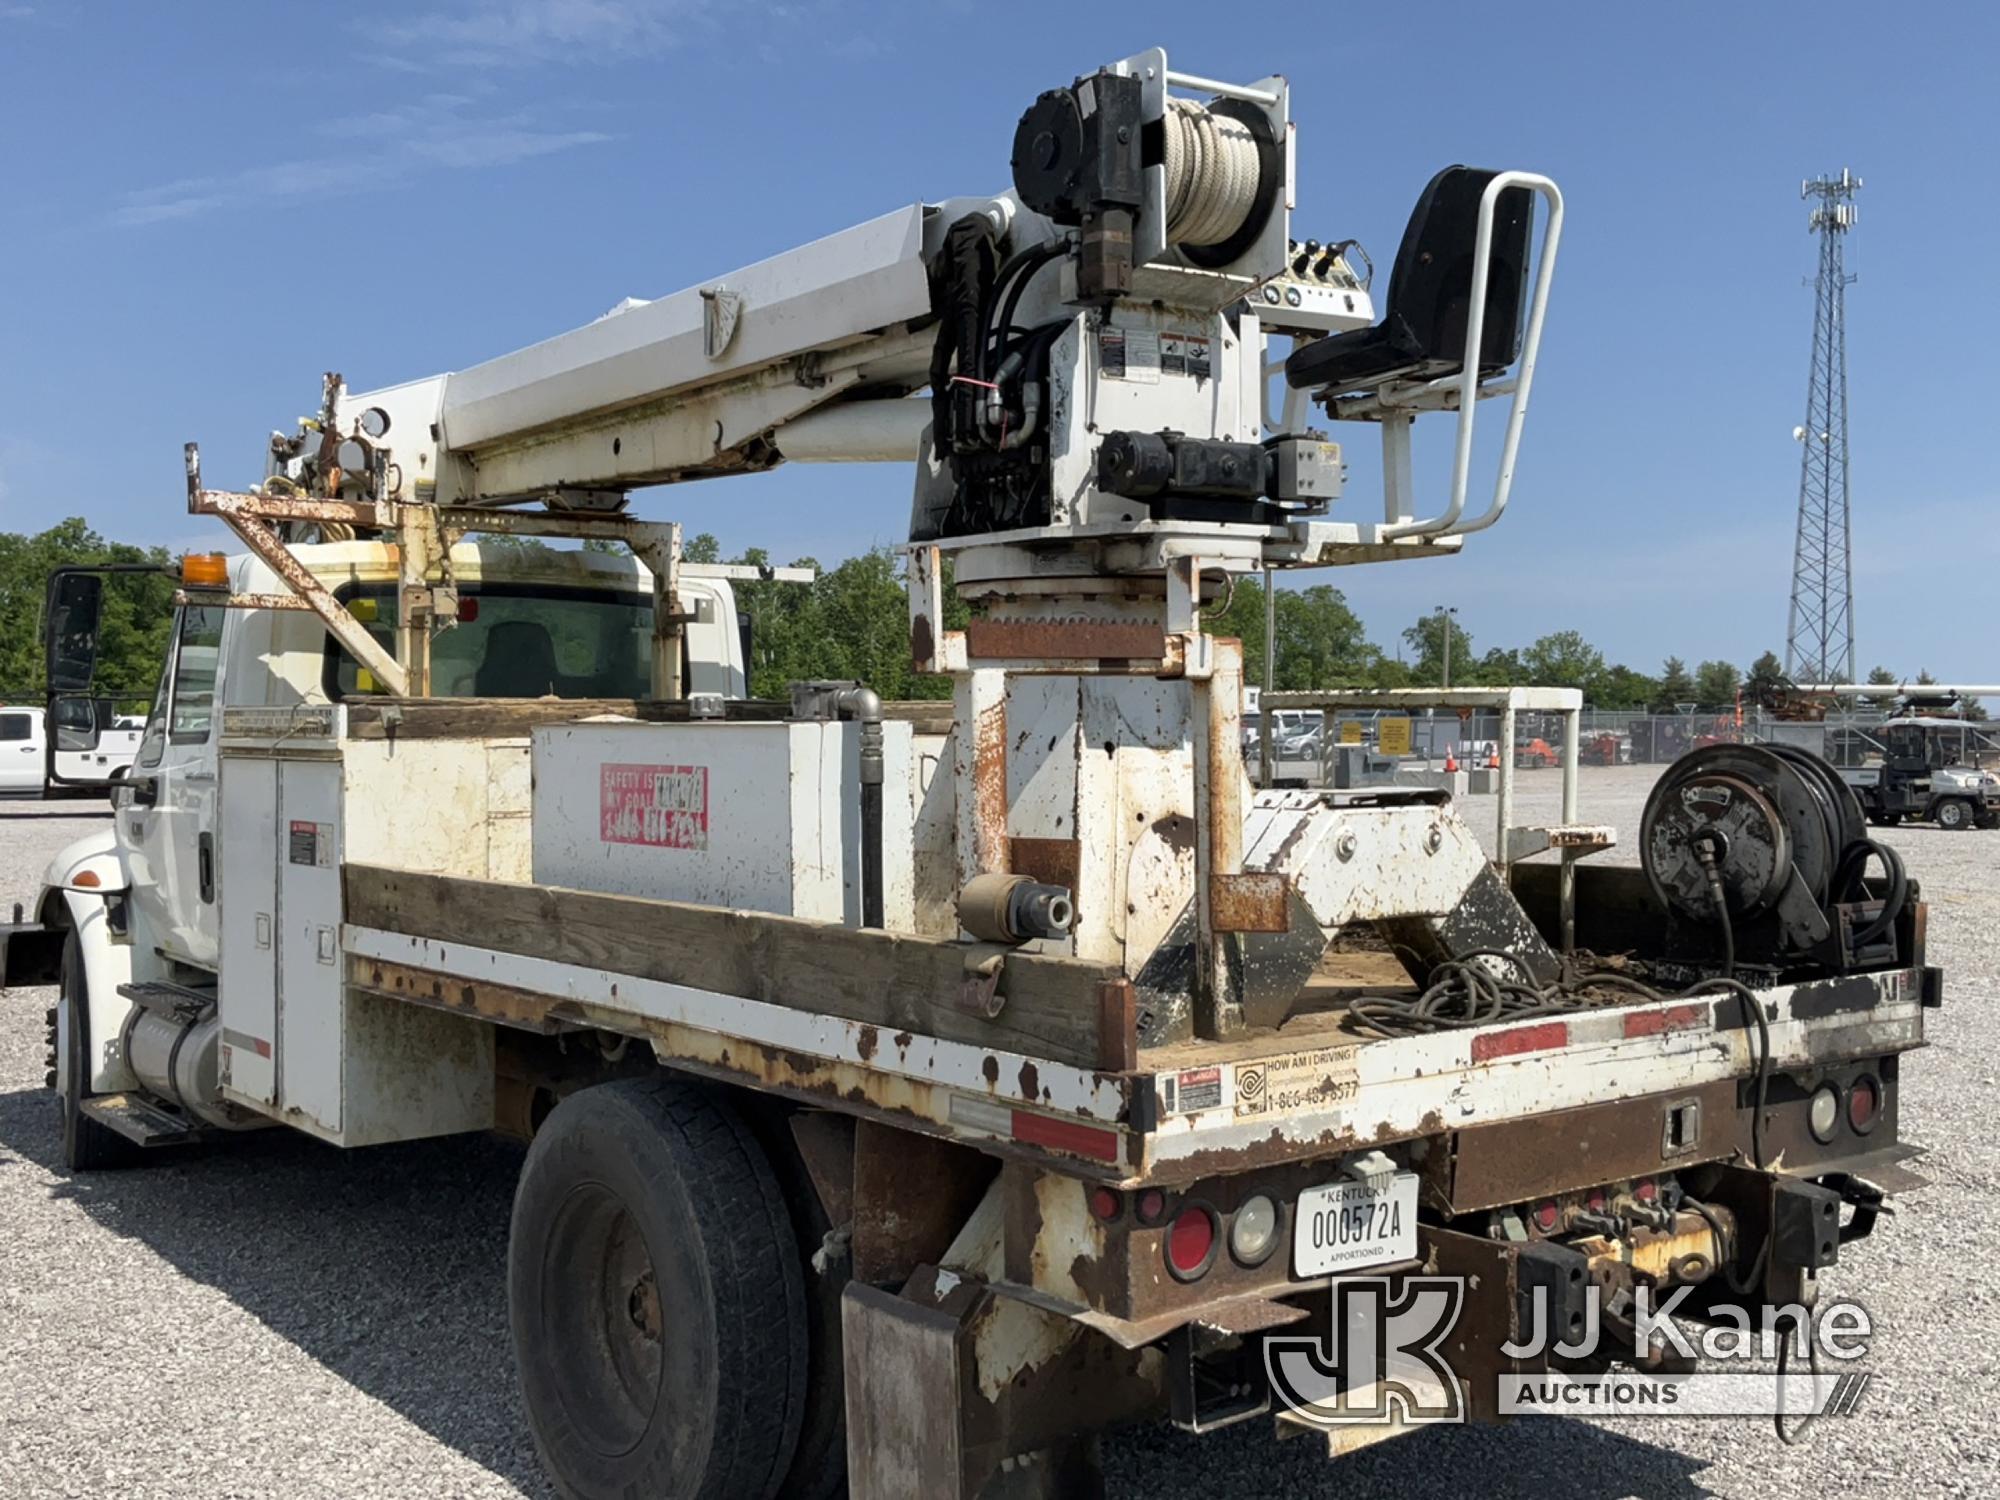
(955, 1392)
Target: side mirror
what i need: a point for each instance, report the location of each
(76, 603)
(75, 722)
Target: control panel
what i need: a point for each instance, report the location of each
(1319, 291)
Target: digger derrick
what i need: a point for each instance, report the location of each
(1003, 1071)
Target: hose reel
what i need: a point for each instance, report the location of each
(1762, 849)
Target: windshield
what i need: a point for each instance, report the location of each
(516, 641)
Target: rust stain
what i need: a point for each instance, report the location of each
(989, 787)
(1031, 1080)
(864, 1043)
(990, 1069)
(1051, 861)
(1252, 902)
(923, 643)
(1066, 639)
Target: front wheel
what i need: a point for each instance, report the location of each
(1954, 813)
(656, 1298)
(87, 1146)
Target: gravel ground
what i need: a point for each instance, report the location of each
(284, 1319)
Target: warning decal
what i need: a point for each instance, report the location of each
(665, 806)
(1184, 354)
(1302, 1081)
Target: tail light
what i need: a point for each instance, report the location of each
(1105, 1204)
(1546, 1215)
(1823, 1114)
(1191, 1242)
(1864, 1104)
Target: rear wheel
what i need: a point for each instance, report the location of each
(86, 1145)
(1954, 813)
(654, 1288)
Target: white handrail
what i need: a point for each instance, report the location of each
(1467, 380)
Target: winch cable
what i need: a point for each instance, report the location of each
(1465, 992)
(1213, 174)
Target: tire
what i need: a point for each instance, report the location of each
(87, 1146)
(1954, 813)
(819, 1463)
(655, 1296)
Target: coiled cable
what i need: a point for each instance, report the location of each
(1213, 174)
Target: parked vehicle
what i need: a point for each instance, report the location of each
(1923, 769)
(24, 751)
(915, 1093)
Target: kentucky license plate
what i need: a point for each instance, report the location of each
(1349, 1225)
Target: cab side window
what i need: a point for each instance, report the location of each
(197, 651)
(15, 727)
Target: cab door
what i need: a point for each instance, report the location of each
(166, 822)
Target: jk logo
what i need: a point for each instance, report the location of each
(1381, 1359)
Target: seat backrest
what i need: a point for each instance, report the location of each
(520, 661)
(1430, 288)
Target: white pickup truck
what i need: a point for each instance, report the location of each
(95, 743)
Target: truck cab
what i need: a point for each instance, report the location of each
(531, 623)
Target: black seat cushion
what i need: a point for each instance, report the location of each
(1422, 332)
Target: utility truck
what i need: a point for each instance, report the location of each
(1923, 768)
(917, 1091)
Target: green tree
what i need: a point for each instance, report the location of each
(1675, 688)
(1562, 659)
(1321, 643)
(1425, 643)
(132, 634)
(1619, 689)
(1767, 685)
(1715, 684)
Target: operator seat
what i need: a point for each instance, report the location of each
(520, 662)
(1422, 332)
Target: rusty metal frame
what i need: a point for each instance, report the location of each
(424, 535)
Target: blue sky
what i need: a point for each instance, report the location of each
(204, 205)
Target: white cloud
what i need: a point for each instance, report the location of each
(513, 33)
(440, 132)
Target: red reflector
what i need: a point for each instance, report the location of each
(1645, 1190)
(1537, 1038)
(1065, 1135)
(1545, 1214)
(1191, 1243)
(1672, 1018)
(468, 610)
(1596, 1201)
(1862, 1102)
(1104, 1204)
(1152, 1206)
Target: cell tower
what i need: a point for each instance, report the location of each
(1819, 640)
